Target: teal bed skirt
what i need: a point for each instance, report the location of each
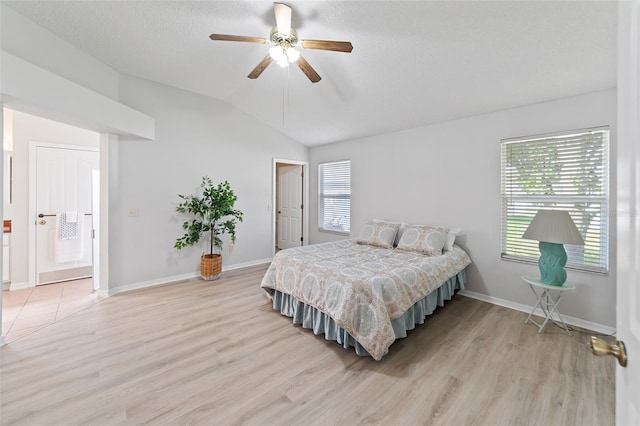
(321, 323)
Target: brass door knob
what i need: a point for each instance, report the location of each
(600, 348)
(42, 222)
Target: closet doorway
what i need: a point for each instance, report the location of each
(290, 204)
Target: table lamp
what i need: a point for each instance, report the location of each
(553, 228)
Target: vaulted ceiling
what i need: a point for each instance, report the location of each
(414, 63)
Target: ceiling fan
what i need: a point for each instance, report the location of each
(284, 39)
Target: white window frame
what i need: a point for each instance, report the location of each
(338, 172)
(588, 207)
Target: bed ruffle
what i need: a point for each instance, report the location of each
(321, 323)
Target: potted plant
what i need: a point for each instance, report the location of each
(213, 215)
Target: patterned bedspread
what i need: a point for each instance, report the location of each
(360, 286)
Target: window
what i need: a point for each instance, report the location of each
(568, 171)
(334, 189)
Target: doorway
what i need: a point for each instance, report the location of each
(26, 306)
(290, 215)
(62, 189)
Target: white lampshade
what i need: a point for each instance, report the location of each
(276, 52)
(553, 226)
(292, 54)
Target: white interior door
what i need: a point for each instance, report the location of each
(289, 206)
(628, 217)
(63, 205)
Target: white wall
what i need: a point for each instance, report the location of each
(449, 174)
(23, 38)
(195, 136)
(28, 128)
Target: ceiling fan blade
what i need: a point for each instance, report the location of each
(336, 46)
(283, 18)
(226, 37)
(308, 70)
(261, 67)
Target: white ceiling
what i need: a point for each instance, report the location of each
(414, 63)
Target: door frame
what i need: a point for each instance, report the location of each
(628, 199)
(305, 200)
(33, 145)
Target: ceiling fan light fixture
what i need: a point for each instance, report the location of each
(276, 53)
(292, 54)
(283, 61)
(282, 54)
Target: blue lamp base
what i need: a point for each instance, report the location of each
(553, 257)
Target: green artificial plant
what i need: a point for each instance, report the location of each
(213, 212)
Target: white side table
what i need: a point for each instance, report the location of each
(548, 298)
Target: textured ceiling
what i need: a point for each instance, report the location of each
(414, 63)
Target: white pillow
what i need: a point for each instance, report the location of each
(451, 238)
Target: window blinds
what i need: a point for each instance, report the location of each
(334, 181)
(568, 171)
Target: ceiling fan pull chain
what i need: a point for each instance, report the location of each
(288, 88)
(284, 92)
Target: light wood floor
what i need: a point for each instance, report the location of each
(215, 353)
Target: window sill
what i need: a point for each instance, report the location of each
(570, 267)
(331, 231)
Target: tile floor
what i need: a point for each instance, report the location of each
(25, 311)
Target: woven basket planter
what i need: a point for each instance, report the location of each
(210, 266)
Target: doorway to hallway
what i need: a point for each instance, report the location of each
(290, 187)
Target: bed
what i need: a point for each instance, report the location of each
(364, 293)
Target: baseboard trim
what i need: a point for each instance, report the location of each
(150, 283)
(20, 286)
(247, 264)
(176, 278)
(598, 328)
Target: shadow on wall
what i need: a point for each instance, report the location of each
(474, 278)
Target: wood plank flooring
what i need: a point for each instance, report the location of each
(216, 353)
